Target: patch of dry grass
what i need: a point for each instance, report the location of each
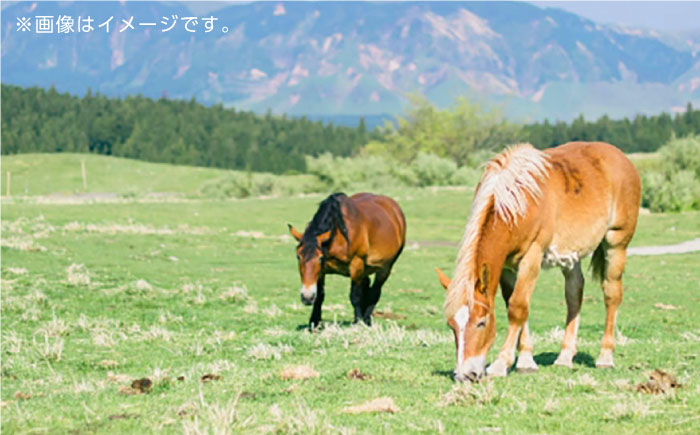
(298, 373)
(381, 404)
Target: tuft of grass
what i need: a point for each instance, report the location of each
(479, 394)
(78, 275)
(263, 351)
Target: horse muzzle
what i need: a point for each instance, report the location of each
(308, 294)
(471, 370)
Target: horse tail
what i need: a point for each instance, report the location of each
(599, 262)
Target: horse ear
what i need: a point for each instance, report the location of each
(444, 279)
(296, 234)
(323, 238)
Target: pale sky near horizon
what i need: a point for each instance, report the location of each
(660, 15)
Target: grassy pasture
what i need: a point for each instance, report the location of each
(96, 295)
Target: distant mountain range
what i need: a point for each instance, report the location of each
(341, 59)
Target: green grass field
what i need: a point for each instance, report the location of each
(96, 295)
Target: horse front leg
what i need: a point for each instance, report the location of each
(526, 362)
(315, 319)
(359, 283)
(518, 311)
(357, 290)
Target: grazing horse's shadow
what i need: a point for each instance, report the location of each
(548, 358)
(341, 323)
(444, 373)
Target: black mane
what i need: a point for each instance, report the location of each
(328, 217)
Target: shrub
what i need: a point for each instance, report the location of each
(678, 191)
(244, 185)
(674, 183)
(682, 154)
(431, 170)
(339, 173)
(376, 172)
(466, 176)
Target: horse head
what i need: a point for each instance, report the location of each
(310, 257)
(473, 326)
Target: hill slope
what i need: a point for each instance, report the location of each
(46, 174)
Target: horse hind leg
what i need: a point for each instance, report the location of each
(616, 256)
(574, 296)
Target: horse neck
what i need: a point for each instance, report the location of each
(493, 246)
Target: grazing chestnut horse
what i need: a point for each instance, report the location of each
(354, 237)
(535, 209)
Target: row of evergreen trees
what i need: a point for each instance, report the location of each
(186, 132)
(641, 134)
(172, 131)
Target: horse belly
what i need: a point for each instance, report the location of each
(572, 244)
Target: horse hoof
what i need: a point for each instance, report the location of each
(497, 369)
(526, 364)
(605, 360)
(565, 359)
(564, 363)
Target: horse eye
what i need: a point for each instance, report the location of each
(481, 323)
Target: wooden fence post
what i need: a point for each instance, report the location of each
(84, 174)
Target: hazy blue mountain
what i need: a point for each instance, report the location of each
(337, 60)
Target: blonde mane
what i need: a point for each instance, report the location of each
(505, 184)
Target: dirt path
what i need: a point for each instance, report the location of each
(678, 248)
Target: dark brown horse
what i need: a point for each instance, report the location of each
(354, 237)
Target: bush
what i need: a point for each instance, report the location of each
(682, 154)
(339, 173)
(432, 170)
(244, 185)
(466, 176)
(678, 191)
(674, 183)
(376, 172)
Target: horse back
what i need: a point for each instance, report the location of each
(592, 187)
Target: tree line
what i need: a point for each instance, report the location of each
(169, 131)
(641, 134)
(189, 133)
